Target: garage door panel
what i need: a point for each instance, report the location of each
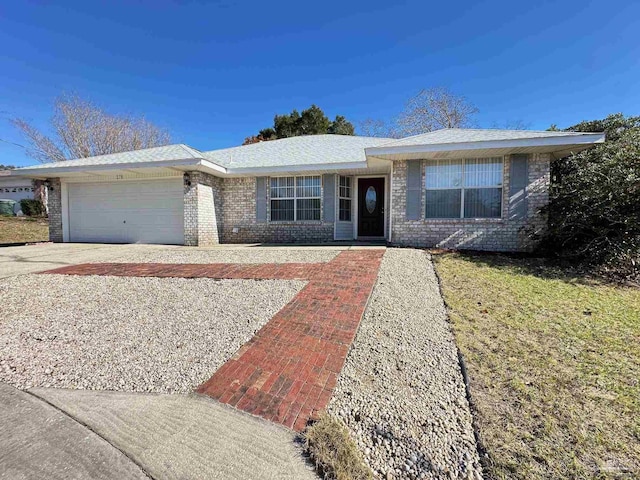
(127, 212)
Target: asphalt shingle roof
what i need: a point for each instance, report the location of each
(157, 154)
(305, 150)
(466, 135)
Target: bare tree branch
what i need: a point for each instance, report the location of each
(41, 147)
(435, 108)
(371, 127)
(517, 124)
(82, 129)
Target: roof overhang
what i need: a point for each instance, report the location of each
(111, 169)
(160, 168)
(557, 146)
(297, 168)
(371, 166)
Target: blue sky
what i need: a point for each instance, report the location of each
(215, 72)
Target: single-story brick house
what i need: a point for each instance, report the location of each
(16, 188)
(452, 188)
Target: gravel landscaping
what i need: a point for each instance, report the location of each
(129, 334)
(401, 393)
(228, 255)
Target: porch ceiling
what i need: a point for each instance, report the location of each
(119, 173)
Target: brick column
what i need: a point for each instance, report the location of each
(55, 210)
(202, 209)
(190, 209)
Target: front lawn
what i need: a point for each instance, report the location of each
(554, 366)
(23, 229)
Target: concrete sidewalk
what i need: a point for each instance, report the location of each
(37, 441)
(125, 435)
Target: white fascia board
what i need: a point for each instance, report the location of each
(14, 180)
(296, 168)
(581, 139)
(52, 172)
(212, 168)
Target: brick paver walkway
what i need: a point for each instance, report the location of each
(287, 372)
(236, 271)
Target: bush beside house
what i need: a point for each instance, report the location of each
(32, 208)
(594, 209)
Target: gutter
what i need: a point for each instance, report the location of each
(564, 140)
(46, 172)
(200, 164)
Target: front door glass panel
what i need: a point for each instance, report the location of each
(370, 199)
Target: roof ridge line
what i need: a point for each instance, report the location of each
(491, 129)
(412, 136)
(262, 142)
(195, 153)
(118, 153)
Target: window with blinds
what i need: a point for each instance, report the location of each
(468, 188)
(295, 198)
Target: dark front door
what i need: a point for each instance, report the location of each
(371, 207)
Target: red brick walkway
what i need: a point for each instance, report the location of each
(287, 372)
(265, 271)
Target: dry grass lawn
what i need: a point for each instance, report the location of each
(23, 229)
(336, 455)
(554, 366)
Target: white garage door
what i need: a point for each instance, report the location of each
(127, 212)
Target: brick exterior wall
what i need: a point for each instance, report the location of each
(478, 234)
(239, 199)
(220, 210)
(203, 209)
(55, 210)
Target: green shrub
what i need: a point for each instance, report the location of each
(594, 209)
(32, 208)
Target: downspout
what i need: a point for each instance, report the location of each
(390, 204)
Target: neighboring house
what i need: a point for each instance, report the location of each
(16, 188)
(453, 188)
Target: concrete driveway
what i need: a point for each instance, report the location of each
(36, 258)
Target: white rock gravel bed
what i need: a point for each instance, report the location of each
(125, 333)
(227, 255)
(401, 393)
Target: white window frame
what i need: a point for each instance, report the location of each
(463, 187)
(295, 198)
(349, 197)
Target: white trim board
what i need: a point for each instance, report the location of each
(581, 139)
